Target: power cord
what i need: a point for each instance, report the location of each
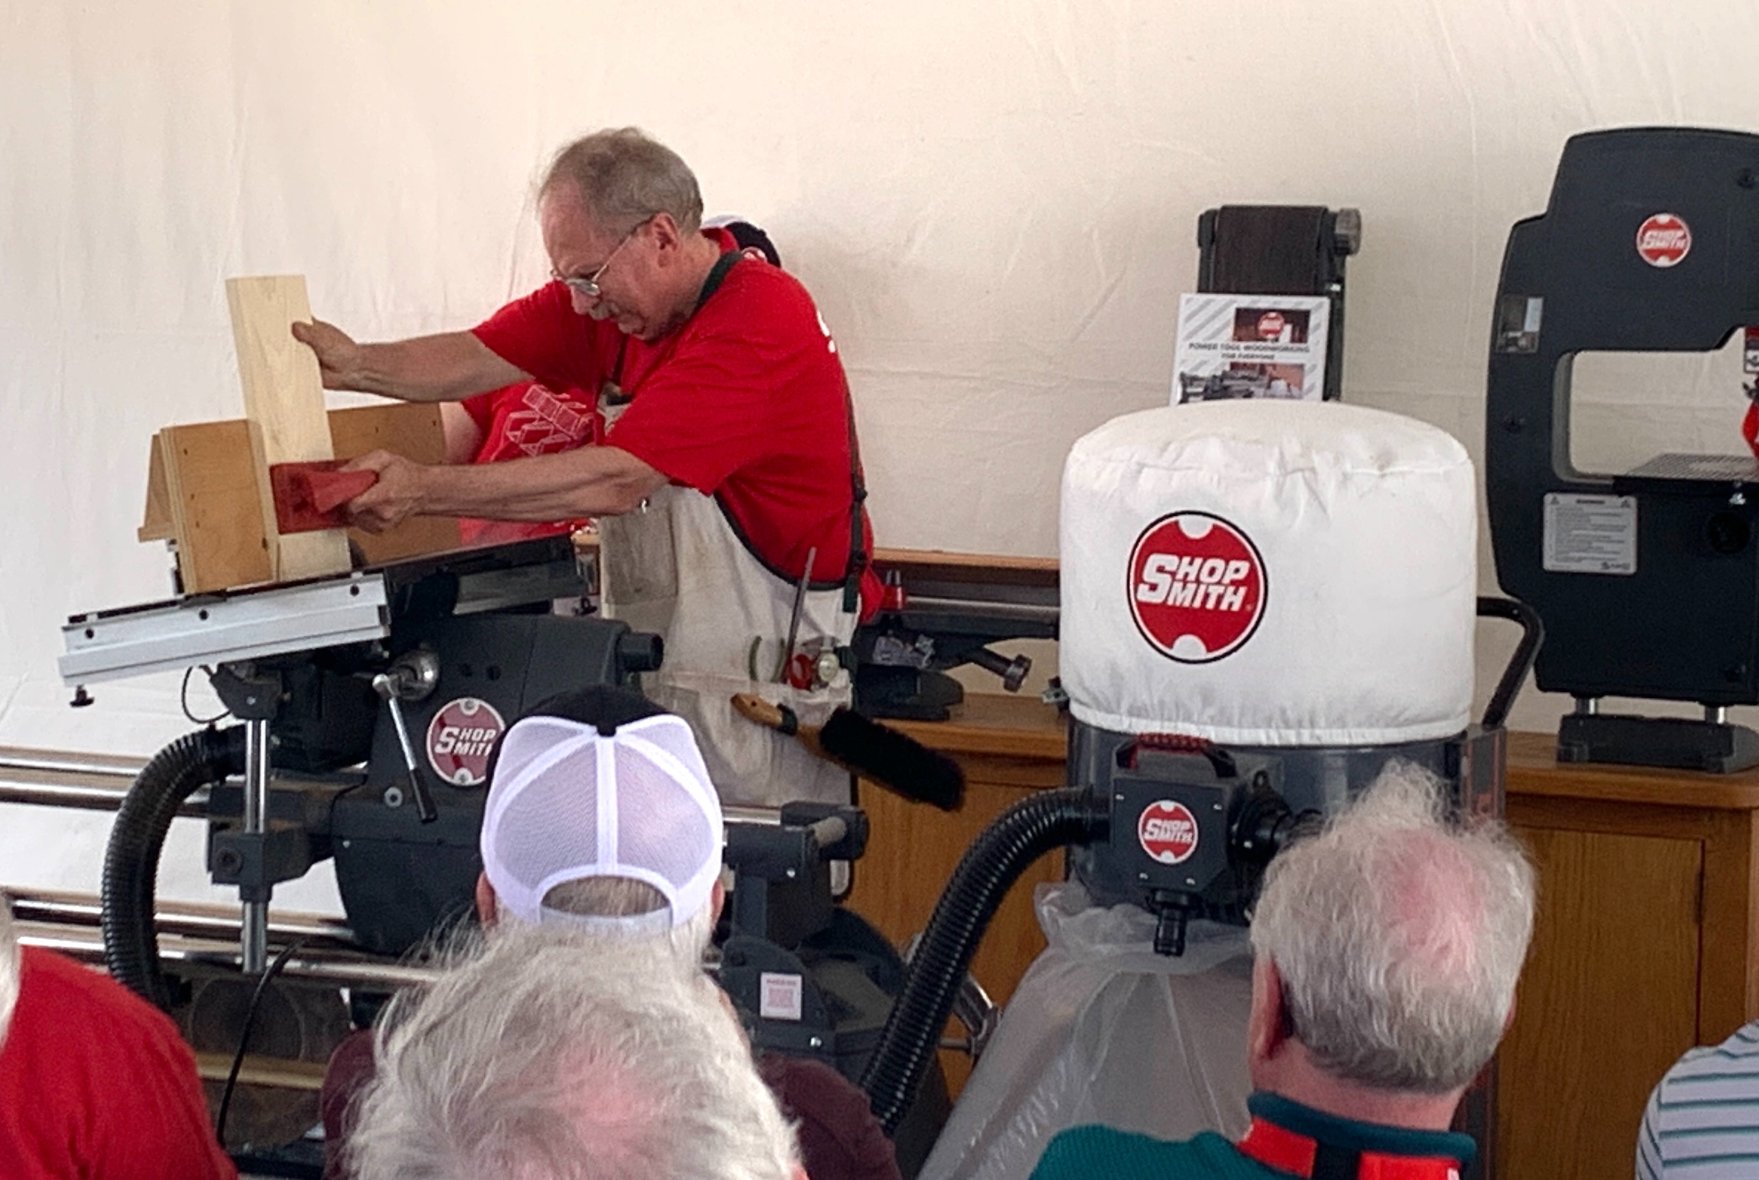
(250, 1019)
(183, 700)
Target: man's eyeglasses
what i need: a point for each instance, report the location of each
(588, 285)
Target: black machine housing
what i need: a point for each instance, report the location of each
(808, 977)
(400, 878)
(1647, 581)
(1242, 804)
(1281, 250)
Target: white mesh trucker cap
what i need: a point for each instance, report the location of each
(601, 783)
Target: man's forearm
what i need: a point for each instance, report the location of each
(591, 481)
(447, 367)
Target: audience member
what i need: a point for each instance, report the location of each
(547, 1057)
(1387, 950)
(601, 822)
(95, 1083)
(1702, 1122)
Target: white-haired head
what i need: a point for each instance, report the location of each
(1399, 936)
(550, 1056)
(9, 968)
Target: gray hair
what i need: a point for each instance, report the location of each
(1399, 936)
(623, 178)
(9, 967)
(616, 909)
(545, 1056)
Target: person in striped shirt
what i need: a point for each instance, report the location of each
(1702, 1122)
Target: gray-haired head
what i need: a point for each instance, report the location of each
(548, 1055)
(1399, 936)
(623, 177)
(9, 967)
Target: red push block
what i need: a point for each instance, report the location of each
(310, 496)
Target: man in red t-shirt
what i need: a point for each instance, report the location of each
(528, 418)
(94, 1082)
(728, 485)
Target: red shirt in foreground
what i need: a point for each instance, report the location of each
(95, 1083)
(746, 401)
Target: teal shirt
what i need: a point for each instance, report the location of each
(1122, 1155)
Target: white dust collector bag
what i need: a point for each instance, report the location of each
(1269, 573)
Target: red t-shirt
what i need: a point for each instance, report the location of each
(523, 419)
(94, 1081)
(746, 401)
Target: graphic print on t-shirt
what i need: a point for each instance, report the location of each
(547, 423)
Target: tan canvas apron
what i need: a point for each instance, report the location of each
(675, 567)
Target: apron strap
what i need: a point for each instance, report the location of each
(710, 285)
(858, 555)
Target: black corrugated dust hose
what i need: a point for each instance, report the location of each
(1019, 836)
(131, 861)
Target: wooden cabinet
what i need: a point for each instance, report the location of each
(1645, 945)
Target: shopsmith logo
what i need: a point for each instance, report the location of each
(1167, 831)
(460, 739)
(1664, 240)
(1197, 587)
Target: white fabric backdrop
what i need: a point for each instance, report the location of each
(992, 200)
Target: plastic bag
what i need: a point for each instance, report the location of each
(1103, 1030)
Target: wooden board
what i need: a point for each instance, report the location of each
(280, 1073)
(156, 521)
(213, 512)
(284, 403)
(211, 488)
(413, 431)
(988, 569)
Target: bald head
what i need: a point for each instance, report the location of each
(1398, 936)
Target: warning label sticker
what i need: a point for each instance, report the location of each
(780, 996)
(1590, 534)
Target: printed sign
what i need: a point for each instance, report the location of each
(1167, 832)
(1250, 346)
(1197, 587)
(1663, 240)
(460, 738)
(1588, 534)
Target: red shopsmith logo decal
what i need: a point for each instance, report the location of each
(1271, 325)
(1167, 831)
(1197, 587)
(460, 737)
(1663, 240)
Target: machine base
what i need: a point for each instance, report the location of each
(1672, 743)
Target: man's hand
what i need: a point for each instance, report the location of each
(400, 492)
(338, 355)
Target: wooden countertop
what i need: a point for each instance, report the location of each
(1534, 770)
(1026, 728)
(993, 723)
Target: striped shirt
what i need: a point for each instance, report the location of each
(1702, 1122)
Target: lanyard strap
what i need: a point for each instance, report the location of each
(1286, 1151)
